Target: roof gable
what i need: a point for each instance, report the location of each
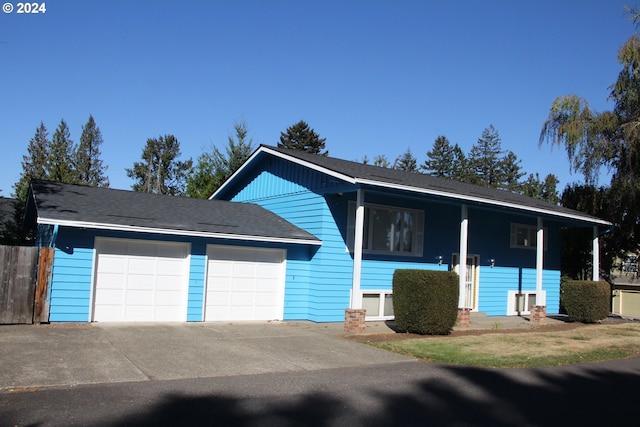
(105, 208)
(375, 176)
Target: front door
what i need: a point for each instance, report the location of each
(470, 279)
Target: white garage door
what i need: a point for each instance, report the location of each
(244, 283)
(140, 281)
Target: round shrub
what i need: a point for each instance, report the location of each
(425, 302)
(586, 301)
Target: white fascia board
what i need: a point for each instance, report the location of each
(292, 159)
(113, 227)
(482, 200)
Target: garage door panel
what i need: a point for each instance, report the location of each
(112, 263)
(134, 284)
(244, 283)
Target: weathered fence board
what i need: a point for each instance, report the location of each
(41, 304)
(17, 283)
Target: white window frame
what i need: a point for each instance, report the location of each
(382, 294)
(532, 240)
(512, 309)
(417, 235)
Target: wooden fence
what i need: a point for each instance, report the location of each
(22, 294)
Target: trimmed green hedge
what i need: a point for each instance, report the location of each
(586, 301)
(425, 302)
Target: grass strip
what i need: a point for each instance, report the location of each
(591, 343)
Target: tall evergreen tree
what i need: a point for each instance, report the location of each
(213, 168)
(34, 164)
(406, 162)
(440, 159)
(510, 173)
(89, 167)
(544, 190)
(381, 161)
(60, 160)
(160, 172)
(302, 138)
(484, 159)
(461, 170)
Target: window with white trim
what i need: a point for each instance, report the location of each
(389, 230)
(378, 305)
(524, 236)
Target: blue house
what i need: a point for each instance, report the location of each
(373, 220)
(295, 236)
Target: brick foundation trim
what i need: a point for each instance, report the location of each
(539, 313)
(464, 318)
(354, 320)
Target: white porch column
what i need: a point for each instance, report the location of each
(462, 262)
(595, 253)
(540, 296)
(356, 296)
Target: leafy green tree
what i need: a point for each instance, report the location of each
(60, 159)
(90, 169)
(160, 172)
(213, 168)
(573, 125)
(34, 164)
(610, 139)
(302, 138)
(406, 162)
(484, 159)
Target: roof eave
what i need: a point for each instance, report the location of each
(484, 201)
(174, 232)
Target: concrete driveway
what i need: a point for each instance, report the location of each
(73, 354)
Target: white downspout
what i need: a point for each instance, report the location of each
(462, 262)
(595, 253)
(356, 295)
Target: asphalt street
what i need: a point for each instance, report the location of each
(282, 375)
(393, 394)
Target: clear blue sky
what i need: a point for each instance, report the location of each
(372, 77)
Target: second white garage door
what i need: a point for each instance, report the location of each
(244, 283)
(140, 280)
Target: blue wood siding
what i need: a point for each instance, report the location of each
(71, 272)
(197, 282)
(378, 275)
(497, 281)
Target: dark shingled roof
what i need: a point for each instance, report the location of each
(386, 177)
(93, 207)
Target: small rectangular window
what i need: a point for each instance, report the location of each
(379, 305)
(525, 236)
